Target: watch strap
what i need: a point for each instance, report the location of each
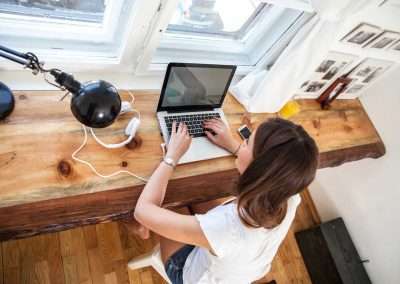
(169, 161)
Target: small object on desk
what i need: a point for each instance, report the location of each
(333, 91)
(244, 132)
(289, 109)
(130, 132)
(6, 101)
(336, 88)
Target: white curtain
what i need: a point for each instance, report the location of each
(268, 91)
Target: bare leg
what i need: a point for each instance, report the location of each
(168, 247)
(135, 228)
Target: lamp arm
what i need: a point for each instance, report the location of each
(30, 60)
(13, 55)
(14, 52)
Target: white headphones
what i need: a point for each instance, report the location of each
(130, 129)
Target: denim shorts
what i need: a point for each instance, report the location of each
(174, 265)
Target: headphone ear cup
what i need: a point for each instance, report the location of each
(132, 127)
(125, 107)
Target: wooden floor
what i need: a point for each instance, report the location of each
(99, 254)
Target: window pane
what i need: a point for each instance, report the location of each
(215, 17)
(76, 10)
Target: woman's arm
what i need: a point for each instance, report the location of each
(148, 211)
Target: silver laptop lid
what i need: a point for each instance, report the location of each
(194, 87)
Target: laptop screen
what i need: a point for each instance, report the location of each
(195, 86)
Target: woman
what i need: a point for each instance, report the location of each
(235, 242)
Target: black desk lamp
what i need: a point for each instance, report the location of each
(95, 104)
(6, 101)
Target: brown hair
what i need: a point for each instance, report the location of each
(285, 159)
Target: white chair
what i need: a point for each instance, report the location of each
(152, 259)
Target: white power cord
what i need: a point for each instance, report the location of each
(74, 157)
(93, 168)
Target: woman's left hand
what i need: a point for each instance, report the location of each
(179, 141)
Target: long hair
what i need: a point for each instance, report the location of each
(285, 159)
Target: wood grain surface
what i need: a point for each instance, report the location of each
(43, 190)
(99, 254)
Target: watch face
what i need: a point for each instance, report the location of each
(170, 161)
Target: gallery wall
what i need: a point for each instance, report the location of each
(366, 193)
(370, 36)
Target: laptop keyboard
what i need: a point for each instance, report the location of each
(194, 122)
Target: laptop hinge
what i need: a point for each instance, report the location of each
(192, 110)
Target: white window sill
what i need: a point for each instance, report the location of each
(24, 80)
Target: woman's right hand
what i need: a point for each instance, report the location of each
(222, 137)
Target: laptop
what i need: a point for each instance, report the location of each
(192, 93)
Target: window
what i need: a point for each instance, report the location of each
(144, 35)
(214, 18)
(81, 11)
(64, 30)
(243, 32)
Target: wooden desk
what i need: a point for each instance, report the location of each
(43, 190)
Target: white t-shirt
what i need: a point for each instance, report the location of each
(243, 254)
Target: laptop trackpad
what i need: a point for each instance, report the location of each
(202, 149)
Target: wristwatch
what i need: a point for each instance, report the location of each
(169, 161)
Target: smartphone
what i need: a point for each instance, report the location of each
(244, 131)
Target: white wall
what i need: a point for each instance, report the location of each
(366, 194)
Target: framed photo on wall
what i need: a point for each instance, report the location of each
(362, 34)
(329, 69)
(384, 40)
(368, 72)
(395, 46)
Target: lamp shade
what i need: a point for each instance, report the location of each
(6, 101)
(96, 104)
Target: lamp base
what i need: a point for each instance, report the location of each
(6, 101)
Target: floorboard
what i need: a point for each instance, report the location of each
(98, 254)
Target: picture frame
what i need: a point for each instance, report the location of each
(393, 4)
(333, 91)
(362, 34)
(384, 41)
(330, 68)
(395, 46)
(366, 73)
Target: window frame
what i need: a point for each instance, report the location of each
(44, 28)
(266, 55)
(146, 23)
(229, 35)
(21, 10)
(112, 56)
